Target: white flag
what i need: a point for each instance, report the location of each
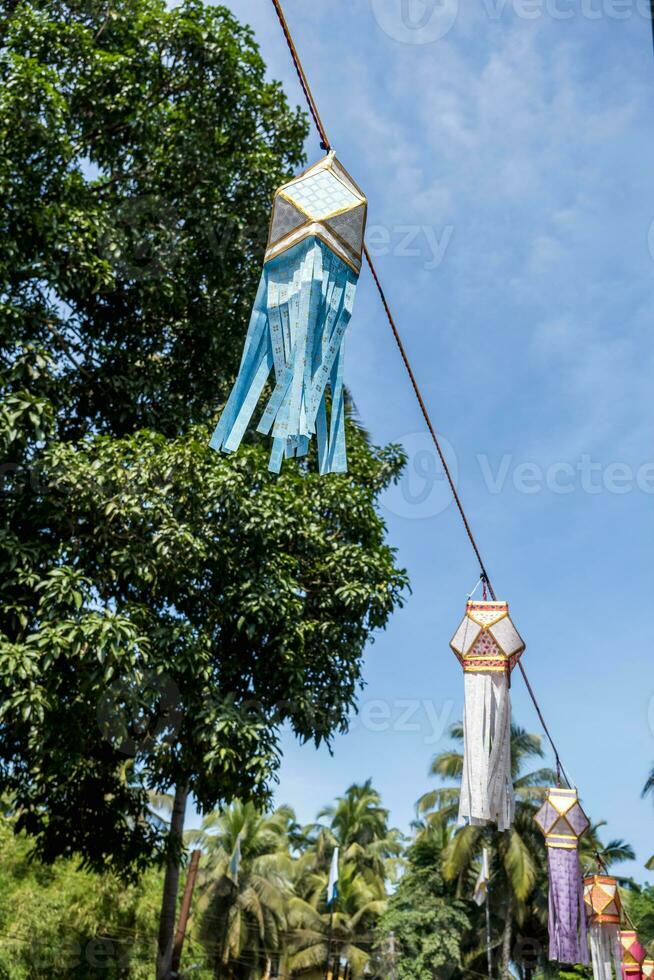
(332, 887)
(235, 861)
(481, 888)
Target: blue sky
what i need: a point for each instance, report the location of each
(506, 148)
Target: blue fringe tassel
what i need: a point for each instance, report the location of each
(303, 306)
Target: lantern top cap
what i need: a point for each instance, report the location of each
(330, 175)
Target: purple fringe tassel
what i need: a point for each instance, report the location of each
(567, 920)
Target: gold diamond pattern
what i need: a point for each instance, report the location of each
(561, 819)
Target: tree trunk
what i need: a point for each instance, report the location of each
(171, 886)
(507, 938)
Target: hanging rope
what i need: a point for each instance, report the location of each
(304, 82)
(421, 402)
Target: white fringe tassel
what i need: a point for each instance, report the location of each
(605, 951)
(487, 787)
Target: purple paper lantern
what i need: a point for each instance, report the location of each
(564, 823)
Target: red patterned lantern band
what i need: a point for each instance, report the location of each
(603, 912)
(488, 647)
(633, 955)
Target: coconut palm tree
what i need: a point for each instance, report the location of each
(518, 860)
(648, 788)
(352, 924)
(357, 823)
(245, 889)
(598, 857)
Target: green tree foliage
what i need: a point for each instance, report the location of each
(422, 933)
(265, 915)
(140, 150)
(162, 609)
(246, 886)
(147, 557)
(57, 921)
(272, 915)
(640, 904)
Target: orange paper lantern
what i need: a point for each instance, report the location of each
(603, 912)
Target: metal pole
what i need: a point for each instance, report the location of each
(184, 911)
(329, 942)
(488, 934)
(391, 945)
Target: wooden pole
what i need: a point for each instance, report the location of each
(171, 886)
(185, 911)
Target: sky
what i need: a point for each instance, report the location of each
(506, 150)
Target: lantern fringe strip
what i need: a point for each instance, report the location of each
(302, 310)
(605, 950)
(487, 788)
(567, 915)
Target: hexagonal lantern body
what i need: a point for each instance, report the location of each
(634, 954)
(561, 819)
(487, 641)
(602, 898)
(323, 202)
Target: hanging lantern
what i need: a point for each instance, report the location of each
(603, 912)
(488, 647)
(564, 823)
(648, 969)
(633, 955)
(301, 313)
